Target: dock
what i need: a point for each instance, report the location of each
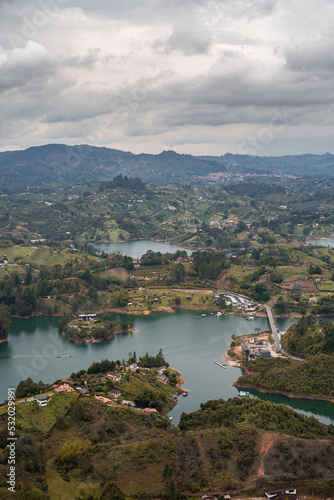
(219, 364)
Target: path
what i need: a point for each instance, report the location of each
(267, 442)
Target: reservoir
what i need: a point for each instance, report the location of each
(326, 242)
(137, 248)
(190, 345)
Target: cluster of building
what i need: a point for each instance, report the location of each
(237, 301)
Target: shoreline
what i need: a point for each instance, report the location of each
(163, 241)
(282, 393)
(238, 364)
(169, 309)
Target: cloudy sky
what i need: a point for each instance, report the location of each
(195, 76)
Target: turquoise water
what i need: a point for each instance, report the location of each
(190, 345)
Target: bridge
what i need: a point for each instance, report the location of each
(275, 334)
(273, 326)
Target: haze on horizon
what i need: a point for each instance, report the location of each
(197, 76)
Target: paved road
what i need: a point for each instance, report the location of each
(273, 326)
(275, 334)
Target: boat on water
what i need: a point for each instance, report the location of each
(59, 356)
(185, 394)
(212, 315)
(243, 394)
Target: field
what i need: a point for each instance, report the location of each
(30, 415)
(326, 287)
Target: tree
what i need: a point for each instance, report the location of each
(120, 298)
(111, 491)
(5, 321)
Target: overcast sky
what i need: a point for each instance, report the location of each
(195, 76)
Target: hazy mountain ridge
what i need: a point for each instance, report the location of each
(299, 165)
(62, 165)
(59, 165)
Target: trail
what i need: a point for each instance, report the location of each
(267, 442)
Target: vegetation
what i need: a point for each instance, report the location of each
(308, 338)
(313, 377)
(92, 448)
(254, 411)
(5, 321)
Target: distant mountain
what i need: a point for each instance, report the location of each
(59, 165)
(299, 165)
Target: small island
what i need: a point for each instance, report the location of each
(89, 328)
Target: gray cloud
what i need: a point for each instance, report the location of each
(314, 57)
(151, 73)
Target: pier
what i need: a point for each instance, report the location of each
(219, 364)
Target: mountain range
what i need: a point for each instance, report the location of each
(59, 165)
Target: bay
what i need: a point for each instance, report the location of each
(190, 344)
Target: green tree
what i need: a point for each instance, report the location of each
(111, 491)
(5, 321)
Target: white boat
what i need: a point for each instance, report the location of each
(243, 394)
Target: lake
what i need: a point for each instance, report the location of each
(189, 344)
(326, 242)
(137, 248)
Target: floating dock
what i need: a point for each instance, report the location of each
(219, 364)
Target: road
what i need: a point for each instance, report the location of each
(275, 334)
(273, 327)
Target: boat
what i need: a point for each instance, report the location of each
(69, 355)
(170, 417)
(243, 394)
(185, 394)
(59, 356)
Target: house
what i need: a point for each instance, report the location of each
(82, 390)
(129, 403)
(313, 300)
(245, 350)
(87, 317)
(41, 400)
(132, 368)
(104, 400)
(114, 376)
(63, 388)
(150, 410)
(282, 494)
(162, 379)
(115, 393)
(97, 380)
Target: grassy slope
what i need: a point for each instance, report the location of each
(214, 454)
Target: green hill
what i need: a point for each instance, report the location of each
(225, 447)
